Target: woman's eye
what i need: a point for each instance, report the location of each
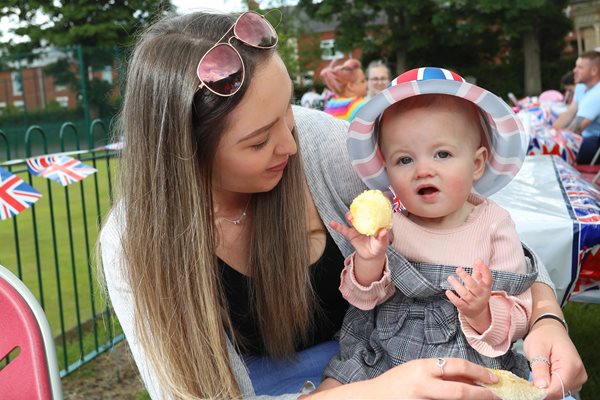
(442, 154)
(405, 160)
(260, 145)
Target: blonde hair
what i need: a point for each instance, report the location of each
(171, 132)
(337, 77)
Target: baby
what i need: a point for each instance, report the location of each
(437, 141)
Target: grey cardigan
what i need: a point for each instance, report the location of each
(333, 184)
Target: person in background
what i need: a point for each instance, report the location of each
(348, 83)
(311, 99)
(583, 114)
(567, 83)
(378, 77)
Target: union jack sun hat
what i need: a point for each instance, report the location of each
(505, 138)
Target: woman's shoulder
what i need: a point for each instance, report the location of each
(315, 122)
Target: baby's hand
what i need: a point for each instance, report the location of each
(367, 247)
(473, 298)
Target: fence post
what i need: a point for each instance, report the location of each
(83, 79)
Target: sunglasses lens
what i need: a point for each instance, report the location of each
(254, 30)
(221, 70)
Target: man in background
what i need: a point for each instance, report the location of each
(583, 114)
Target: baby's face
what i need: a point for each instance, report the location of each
(432, 156)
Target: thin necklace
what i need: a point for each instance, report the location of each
(239, 220)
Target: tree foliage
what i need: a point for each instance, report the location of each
(80, 22)
(97, 28)
(465, 35)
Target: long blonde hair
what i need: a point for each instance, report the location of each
(171, 133)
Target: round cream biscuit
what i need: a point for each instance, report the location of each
(371, 211)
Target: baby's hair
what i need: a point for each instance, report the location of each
(336, 77)
(445, 101)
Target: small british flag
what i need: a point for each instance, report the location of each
(63, 169)
(15, 195)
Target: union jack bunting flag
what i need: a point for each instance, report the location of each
(63, 169)
(15, 195)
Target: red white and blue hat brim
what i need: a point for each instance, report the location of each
(505, 138)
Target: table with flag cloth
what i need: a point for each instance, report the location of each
(557, 213)
(537, 119)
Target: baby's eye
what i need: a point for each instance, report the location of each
(405, 160)
(442, 154)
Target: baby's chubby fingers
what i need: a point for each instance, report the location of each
(348, 232)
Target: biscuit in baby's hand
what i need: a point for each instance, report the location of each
(371, 211)
(511, 387)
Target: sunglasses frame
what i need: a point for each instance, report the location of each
(229, 44)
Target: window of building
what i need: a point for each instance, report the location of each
(63, 101)
(107, 74)
(20, 104)
(17, 83)
(328, 51)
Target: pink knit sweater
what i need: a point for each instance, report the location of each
(488, 233)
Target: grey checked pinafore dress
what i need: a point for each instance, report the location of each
(417, 322)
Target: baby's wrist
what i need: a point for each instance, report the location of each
(370, 262)
(482, 321)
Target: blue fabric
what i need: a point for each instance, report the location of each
(433, 73)
(277, 377)
(579, 91)
(589, 108)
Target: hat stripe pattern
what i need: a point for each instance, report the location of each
(504, 137)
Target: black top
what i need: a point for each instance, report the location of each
(325, 277)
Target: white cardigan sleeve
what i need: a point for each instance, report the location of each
(122, 299)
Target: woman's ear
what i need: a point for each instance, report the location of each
(481, 155)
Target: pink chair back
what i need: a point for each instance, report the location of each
(32, 369)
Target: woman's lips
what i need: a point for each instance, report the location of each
(278, 167)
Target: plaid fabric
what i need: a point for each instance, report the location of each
(418, 322)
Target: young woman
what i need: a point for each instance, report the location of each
(348, 83)
(216, 259)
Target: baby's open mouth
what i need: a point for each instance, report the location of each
(427, 190)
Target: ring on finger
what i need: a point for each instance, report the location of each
(540, 359)
(440, 363)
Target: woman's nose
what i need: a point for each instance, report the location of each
(287, 142)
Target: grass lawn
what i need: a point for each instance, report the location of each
(584, 328)
(51, 246)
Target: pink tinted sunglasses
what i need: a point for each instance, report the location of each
(221, 69)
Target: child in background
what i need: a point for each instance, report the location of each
(348, 84)
(434, 138)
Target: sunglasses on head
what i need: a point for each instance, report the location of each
(221, 69)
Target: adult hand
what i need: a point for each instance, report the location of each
(422, 379)
(548, 338)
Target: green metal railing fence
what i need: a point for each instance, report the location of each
(48, 86)
(51, 245)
